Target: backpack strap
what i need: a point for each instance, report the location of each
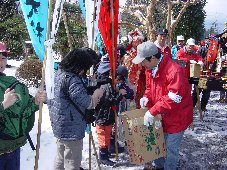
(65, 88)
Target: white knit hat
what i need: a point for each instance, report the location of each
(180, 37)
(190, 41)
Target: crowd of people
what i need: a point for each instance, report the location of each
(147, 76)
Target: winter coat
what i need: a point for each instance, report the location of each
(130, 92)
(67, 123)
(183, 55)
(124, 105)
(169, 95)
(104, 110)
(202, 51)
(164, 50)
(174, 50)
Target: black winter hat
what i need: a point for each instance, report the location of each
(121, 51)
(122, 71)
(161, 31)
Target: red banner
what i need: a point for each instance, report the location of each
(105, 27)
(212, 50)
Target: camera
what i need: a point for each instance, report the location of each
(93, 85)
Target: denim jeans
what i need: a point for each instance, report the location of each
(173, 142)
(10, 161)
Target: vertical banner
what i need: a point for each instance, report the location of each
(105, 27)
(50, 61)
(82, 7)
(35, 14)
(90, 10)
(212, 50)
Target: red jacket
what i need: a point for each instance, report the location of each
(165, 91)
(183, 55)
(164, 50)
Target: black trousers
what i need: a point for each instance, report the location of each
(204, 99)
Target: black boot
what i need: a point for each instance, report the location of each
(104, 157)
(112, 146)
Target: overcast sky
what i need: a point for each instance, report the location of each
(216, 10)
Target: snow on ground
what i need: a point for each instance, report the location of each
(204, 148)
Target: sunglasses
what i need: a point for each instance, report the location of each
(4, 54)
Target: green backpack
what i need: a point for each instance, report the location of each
(18, 119)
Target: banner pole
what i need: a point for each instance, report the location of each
(113, 71)
(42, 88)
(91, 140)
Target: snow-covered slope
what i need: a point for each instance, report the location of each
(203, 148)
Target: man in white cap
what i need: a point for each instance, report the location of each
(188, 54)
(168, 94)
(178, 46)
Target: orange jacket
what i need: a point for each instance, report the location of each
(169, 94)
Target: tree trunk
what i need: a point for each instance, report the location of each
(150, 20)
(169, 20)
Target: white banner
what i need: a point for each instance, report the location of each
(49, 69)
(91, 10)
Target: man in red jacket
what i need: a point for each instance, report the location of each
(161, 42)
(189, 55)
(168, 94)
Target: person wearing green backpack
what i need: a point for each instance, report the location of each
(17, 110)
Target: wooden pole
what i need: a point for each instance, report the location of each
(41, 88)
(113, 76)
(96, 154)
(199, 103)
(89, 146)
(91, 140)
(192, 124)
(93, 27)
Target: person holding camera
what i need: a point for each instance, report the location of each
(67, 122)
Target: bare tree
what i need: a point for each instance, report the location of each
(155, 13)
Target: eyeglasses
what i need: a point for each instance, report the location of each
(3, 54)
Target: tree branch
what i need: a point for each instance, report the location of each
(137, 14)
(132, 25)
